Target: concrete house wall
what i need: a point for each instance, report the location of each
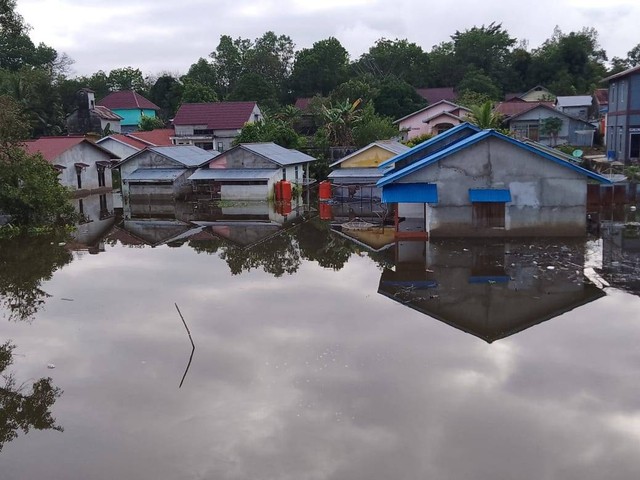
(623, 117)
(152, 160)
(131, 116)
(83, 153)
(547, 198)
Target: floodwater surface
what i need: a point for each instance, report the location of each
(315, 357)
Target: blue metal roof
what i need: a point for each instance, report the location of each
(472, 140)
(489, 195)
(428, 143)
(410, 193)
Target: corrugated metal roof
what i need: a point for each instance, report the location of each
(233, 174)
(410, 193)
(489, 195)
(187, 155)
(428, 143)
(472, 140)
(574, 101)
(392, 146)
(52, 147)
(277, 154)
(215, 115)
(155, 174)
(357, 172)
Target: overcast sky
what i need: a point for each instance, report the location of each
(169, 35)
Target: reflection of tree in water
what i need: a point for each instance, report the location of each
(25, 262)
(318, 244)
(20, 410)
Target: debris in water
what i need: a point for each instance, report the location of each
(51, 366)
(67, 299)
(551, 267)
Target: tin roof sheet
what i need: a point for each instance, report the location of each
(187, 155)
(280, 155)
(155, 174)
(233, 174)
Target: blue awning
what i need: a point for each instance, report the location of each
(410, 193)
(489, 195)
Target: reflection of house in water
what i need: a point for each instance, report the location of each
(621, 256)
(490, 290)
(95, 219)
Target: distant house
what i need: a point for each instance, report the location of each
(623, 118)
(131, 106)
(601, 103)
(160, 172)
(528, 124)
(355, 176)
(578, 106)
(536, 94)
(84, 167)
(91, 118)
(249, 172)
(485, 184)
(125, 145)
(213, 126)
(435, 95)
(432, 119)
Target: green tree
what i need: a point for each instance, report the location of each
(372, 127)
(400, 58)
(633, 56)
(202, 72)
(339, 121)
(254, 87)
(196, 92)
(148, 123)
(166, 92)
(551, 126)
(476, 81)
(270, 129)
(484, 116)
(228, 62)
(396, 98)
(319, 69)
(127, 78)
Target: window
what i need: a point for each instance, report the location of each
(620, 138)
(101, 177)
(443, 127)
(612, 94)
(634, 145)
(297, 174)
(79, 177)
(530, 130)
(488, 214)
(220, 147)
(623, 86)
(202, 131)
(256, 117)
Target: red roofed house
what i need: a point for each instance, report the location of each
(84, 167)
(131, 106)
(213, 126)
(91, 118)
(125, 145)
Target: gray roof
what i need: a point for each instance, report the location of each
(233, 174)
(574, 101)
(357, 175)
(277, 154)
(392, 146)
(187, 155)
(155, 174)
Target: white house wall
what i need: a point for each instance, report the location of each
(547, 198)
(83, 153)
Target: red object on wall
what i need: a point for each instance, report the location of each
(324, 190)
(325, 211)
(283, 191)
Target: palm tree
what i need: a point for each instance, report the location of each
(484, 116)
(340, 120)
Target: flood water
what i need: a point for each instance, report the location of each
(320, 352)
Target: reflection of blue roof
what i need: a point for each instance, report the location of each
(474, 139)
(489, 195)
(233, 174)
(410, 193)
(155, 174)
(432, 142)
(277, 154)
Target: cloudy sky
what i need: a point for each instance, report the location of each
(168, 35)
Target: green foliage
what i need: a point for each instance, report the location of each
(396, 98)
(270, 130)
(372, 127)
(468, 98)
(14, 125)
(476, 81)
(254, 87)
(484, 116)
(127, 78)
(551, 126)
(166, 93)
(148, 123)
(364, 87)
(339, 121)
(399, 58)
(196, 92)
(418, 140)
(319, 69)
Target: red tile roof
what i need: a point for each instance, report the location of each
(303, 103)
(511, 108)
(52, 147)
(105, 114)
(602, 96)
(129, 140)
(160, 137)
(216, 116)
(127, 99)
(434, 95)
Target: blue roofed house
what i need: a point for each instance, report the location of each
(623, 116)
(249, 171)
(161, 172)
(472, 182)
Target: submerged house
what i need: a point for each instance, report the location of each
(84, 167)
(623, 116)
(471, 182)
(355, 176)
(125, 145)
(161, 172)
(250, 171)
